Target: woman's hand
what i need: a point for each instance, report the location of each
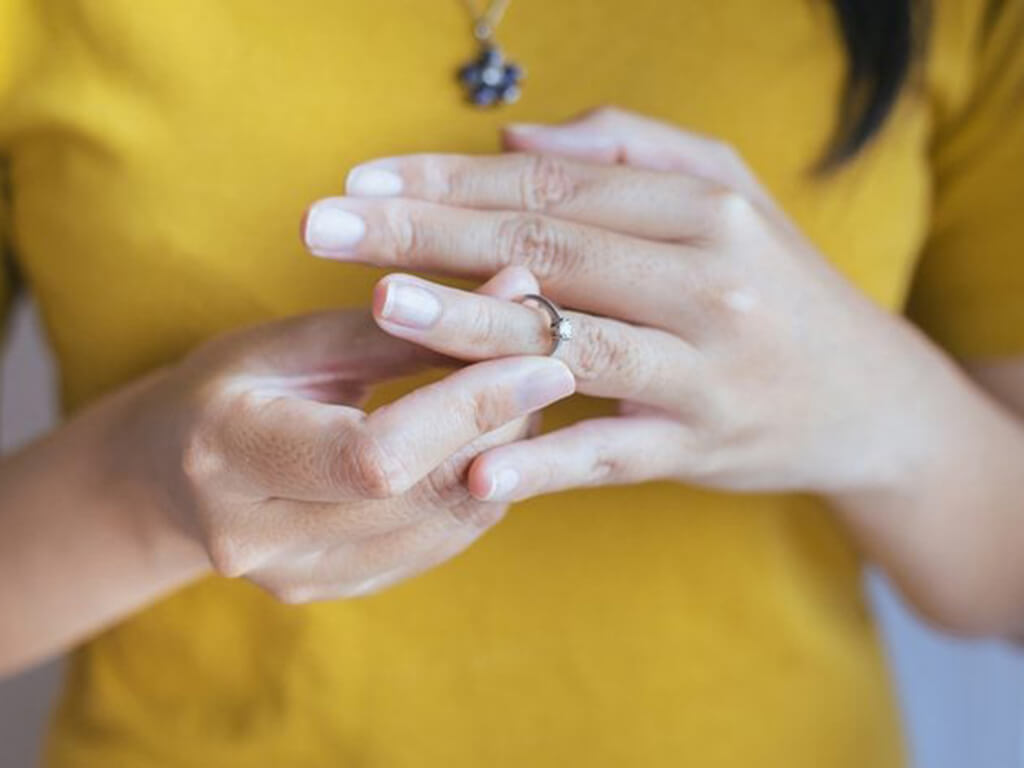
(743, 360)
(251, 457)
(263, 460)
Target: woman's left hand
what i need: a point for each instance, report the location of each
(743, 360)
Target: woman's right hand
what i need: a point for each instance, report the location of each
(264, 462)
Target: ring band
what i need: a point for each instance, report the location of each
(561, 326)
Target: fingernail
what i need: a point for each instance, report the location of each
(373, 180)
(525, 128)
(503, 483)
(332, 230)
(546, 381)
(410, 305)
(564, 137)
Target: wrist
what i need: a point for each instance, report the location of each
(939, 508)
(897, 424)
(129, 473)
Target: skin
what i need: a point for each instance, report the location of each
(251, 458)
(742, 360)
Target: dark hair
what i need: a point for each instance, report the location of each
(882, 39)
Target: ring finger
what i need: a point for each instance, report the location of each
(609, 358)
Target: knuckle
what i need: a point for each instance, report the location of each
(201, 461)
(724, 303)
(488, 409)
(602, 354)
(479, 413)
(197, 459)
(730, 213)
(537, 243)
(445, 177)
(405, 231)
(373, 471)
(546, 183)
(605, 469)
(481, 327)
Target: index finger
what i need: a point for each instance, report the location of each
(311, 451)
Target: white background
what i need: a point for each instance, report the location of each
(962, 702)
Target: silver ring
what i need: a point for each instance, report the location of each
(561, 326)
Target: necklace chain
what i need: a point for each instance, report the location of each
(489, 79)
(486, 18)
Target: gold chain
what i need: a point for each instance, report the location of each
(486, 19)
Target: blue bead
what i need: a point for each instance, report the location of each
(470, 75)
(509, 82)
(510, 94)
(484, 96)
(513, 73)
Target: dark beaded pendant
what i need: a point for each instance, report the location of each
(489, 79)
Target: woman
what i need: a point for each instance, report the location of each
(754, 416)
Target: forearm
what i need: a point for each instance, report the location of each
(947, 520)
(81, 543)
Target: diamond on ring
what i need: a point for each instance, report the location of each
(561, 326)
(562, 329)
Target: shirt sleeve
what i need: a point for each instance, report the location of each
(968, 290)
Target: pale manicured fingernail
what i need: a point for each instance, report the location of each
(503, 484)
(410, 305)
(564, 136)
(332, 230)
(525, 128)
(373, 180)
(544, 382)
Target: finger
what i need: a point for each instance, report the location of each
(477, 519)
(358, 568)
(444, 550)
(329, 355)
(610, 135)
(441, 489)
(298, 449)
(278, 530)
(577, 265)
(606, 451)
(413, 435)
(608, 358)
(634, 201)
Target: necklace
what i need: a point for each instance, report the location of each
(489, 80)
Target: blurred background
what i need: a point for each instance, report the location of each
(963, 703)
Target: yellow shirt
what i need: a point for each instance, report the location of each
(159, 156)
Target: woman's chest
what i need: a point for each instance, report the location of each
(163, 154)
